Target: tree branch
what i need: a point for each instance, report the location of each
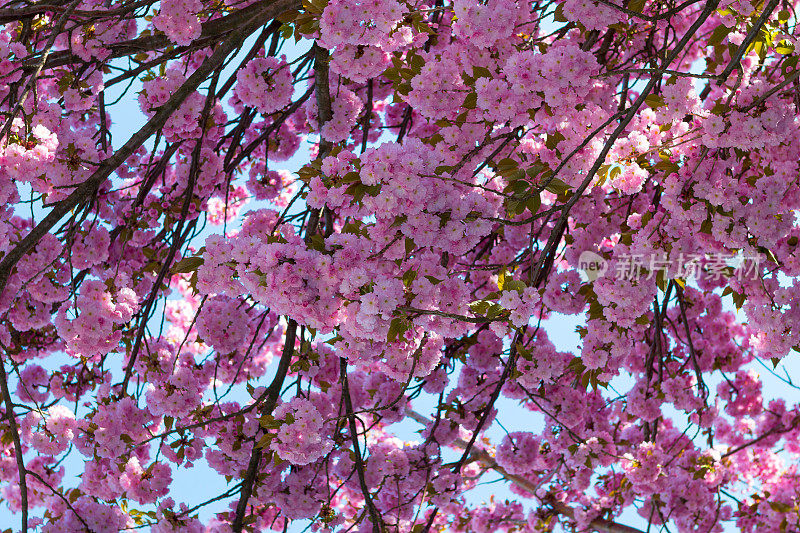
(377, 521)
(86, 189)
(598, 524)
(12, 422)
(273, 392)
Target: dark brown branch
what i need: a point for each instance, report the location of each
(548, 254)
(87, 189)
(273, 392)
(761, 99)
(63, 498)
(211, 33)
(377, 521)
(21, 13)
(751, 35)
(774, 431)
(178, 237)
(323, 94)
(692, 354)
(367, 116)
(12, 422)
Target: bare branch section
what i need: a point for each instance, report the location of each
(377, 522)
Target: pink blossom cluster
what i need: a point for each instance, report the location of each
(265, 83)
(482, 24)
(283, 276)
(223, 323)
(178, 20)
(184, 123)
(52, 433)
(300, 439)
(358, 22)
(359, 62)
(94, 330)
(346, 109)
(25, 151)
(198, 291)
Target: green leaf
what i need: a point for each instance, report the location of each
(780, 507)
(513, 207)
(534, 203)
(479, 307)
(353, 227)
(558, 16)
(738, 300)
(422, 27)
(517, 186)
(501, 278)
(552, 140)
(317, 242)
(506, 166)
(788, 65)
(636, 5)
(556, 186)
(417, 63)
(187, 265)
(494, 311)
(397, 329)
(441, 169)
(719, 33)
(481, 72)
(514, 285)
(65, 81)
(471, 101)
(654, 101)
(536, 169)
(269, 422)
(265, 441)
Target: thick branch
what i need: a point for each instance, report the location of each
(273, 392)
(211, 33)
(12, 422)
(377, 521)
(323, 93)
(745, 45)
